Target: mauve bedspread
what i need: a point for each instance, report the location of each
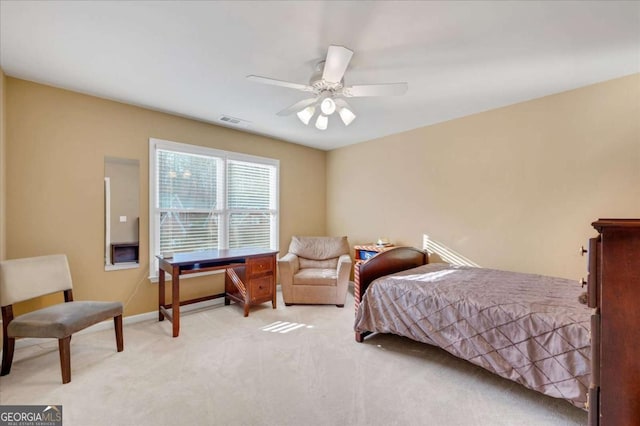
(527, 328)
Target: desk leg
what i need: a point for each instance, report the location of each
(275, 283)
(161, 294)
(175, 301)
(227, 287)
(273, 299)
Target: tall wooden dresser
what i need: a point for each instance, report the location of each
(614, 290)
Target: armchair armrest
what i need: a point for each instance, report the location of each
(344, 271)
(344, 268)
(344, 261)
(288, 265)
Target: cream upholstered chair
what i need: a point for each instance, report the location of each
(315, 271)
(23, 279)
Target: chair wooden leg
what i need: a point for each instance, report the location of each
(8, 345)
(64, 345)
(117, 325)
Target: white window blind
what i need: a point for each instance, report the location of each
(203, 199)
(187, 201)
(251, 204)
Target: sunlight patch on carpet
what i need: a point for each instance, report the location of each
(283, 326)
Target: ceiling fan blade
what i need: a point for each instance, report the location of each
(336, 64)
(274, 82)
(297, 106)
(389, 89)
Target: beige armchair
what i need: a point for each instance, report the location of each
(315, 271)
(23, 279)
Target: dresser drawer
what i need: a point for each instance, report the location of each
(259, 265)
(261, 289)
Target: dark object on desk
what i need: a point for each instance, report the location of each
(124, 252)
(250, 278)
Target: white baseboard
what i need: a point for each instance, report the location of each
(106, 325)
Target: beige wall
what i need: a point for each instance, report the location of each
(124, 182)
(57, 141)
(513, 188)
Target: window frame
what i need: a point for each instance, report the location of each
(224, 212)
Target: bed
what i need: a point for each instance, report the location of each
(528, 328)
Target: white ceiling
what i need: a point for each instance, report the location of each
(191, 58)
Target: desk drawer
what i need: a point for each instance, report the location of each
(261, 288)
(259, 265)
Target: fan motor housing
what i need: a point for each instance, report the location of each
(320, 85)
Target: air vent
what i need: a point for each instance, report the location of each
(236, 122)
(230, 119)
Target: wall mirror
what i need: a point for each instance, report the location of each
(121, 213)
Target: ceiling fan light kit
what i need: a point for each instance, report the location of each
(327, 106)
(346, 115)
(322, 122)
(306, 114)
(329, 89)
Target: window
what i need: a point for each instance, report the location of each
(206, 199)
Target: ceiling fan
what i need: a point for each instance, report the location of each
(328, 89)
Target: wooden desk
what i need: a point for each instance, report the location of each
(250, 278)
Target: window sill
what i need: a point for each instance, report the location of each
(121, 266)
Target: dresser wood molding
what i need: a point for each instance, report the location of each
(614, 292)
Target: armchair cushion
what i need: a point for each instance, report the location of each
(318, 264)
(319, 248)
(311, 276)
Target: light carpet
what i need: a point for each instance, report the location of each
(296, 365)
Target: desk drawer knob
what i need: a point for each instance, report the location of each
(583, 251)
(582, 282)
